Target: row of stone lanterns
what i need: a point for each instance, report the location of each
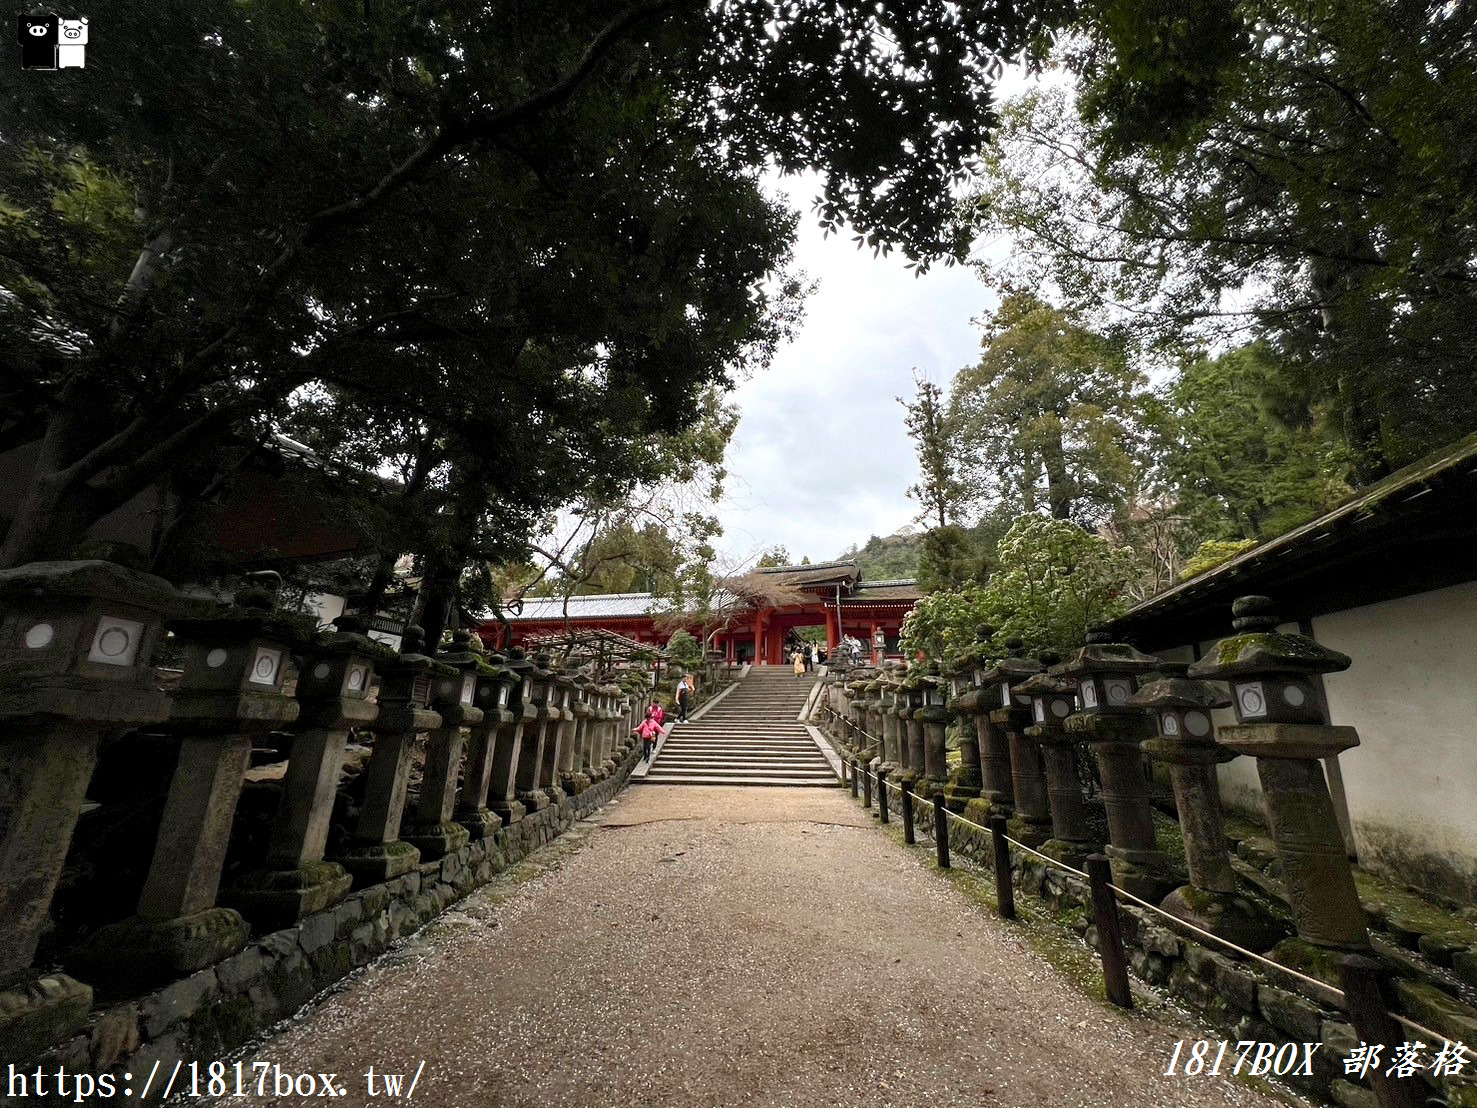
(76, 643)
(1024, 719)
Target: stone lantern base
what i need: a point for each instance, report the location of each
(434, 841)
(965, 784)
(273, 899)
(1231, 916)
(509, 811)
(533, 800)
(39, 1010)
(372, 863)
(480, 824)
(1030, 830)
(134, 955)
(575, 782)
(1069, 852)
(1145, 873)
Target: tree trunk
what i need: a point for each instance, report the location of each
(1058, 487)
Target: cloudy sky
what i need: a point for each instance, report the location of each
(821, 459)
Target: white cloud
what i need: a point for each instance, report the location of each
(821, 459)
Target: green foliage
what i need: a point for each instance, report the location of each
(1246, 453)
(951, 559)
(940, 493)
(684, 650)
(1051, 582)
(887, 559)
(1053, 415)
(1304, 173)
(774, 557)
(535, 233)
(1212, 553)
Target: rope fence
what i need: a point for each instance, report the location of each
(1371, 1016)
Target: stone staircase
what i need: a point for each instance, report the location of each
(750, 737)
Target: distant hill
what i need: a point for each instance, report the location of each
(890, 558)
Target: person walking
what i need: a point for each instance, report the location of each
(684, 697)
(799, 659)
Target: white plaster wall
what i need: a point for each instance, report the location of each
(1412, 693)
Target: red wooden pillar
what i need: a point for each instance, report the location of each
(758, 636)
(833, 631)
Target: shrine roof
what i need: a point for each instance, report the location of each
(843, 573)
(615, 605)
(903, 590)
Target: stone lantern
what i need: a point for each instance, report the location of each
(1031, 821)
(507, 753)
(557, 737)
(572, 776)
(965, 783)
(76, 643)
(1053, 699)
(909, 699)
(933, 719)
(890, 698)
(236, 661)
(879, 645)
(1106, 673)
(333, 687)
(1186, 742)
(1281, 724)
(493, 688)
(538, 688)
(454, 698)
(407, 685)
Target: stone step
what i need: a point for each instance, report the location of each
(740, 780)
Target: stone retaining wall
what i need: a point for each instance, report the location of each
(211, 1013)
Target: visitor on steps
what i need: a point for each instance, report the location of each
(649, 730)
(685, 689)
(799, 659)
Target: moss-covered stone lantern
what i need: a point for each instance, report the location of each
(76, 646)
(494, 685)
(375, 852)
(507, 753)
(558, 735)
(933, 716)
(1030, 821)
(1280, 723)
(910, 734)
(1106, 673)
(1186, 743)
(334, 684)
(539, 685)
(432, 831)
(236, 662)
(967, 706)
(573, 777)
(1052, 701)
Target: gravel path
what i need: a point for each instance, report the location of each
(726, 947)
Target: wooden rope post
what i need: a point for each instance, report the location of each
(1362, 979)
(854, 774)
(1109, 931)
(909, 836)
(1004, 887)
(866, 790)
(941, 830)
(882, 809)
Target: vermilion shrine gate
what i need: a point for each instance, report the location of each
(830, 594)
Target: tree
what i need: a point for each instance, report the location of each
(774, 557)
(951, 559)
(1247, 460)
(1302, 173)
(939, 492)
(1053, 581)
(685, 650)
(1052, 415)
(273, 197)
